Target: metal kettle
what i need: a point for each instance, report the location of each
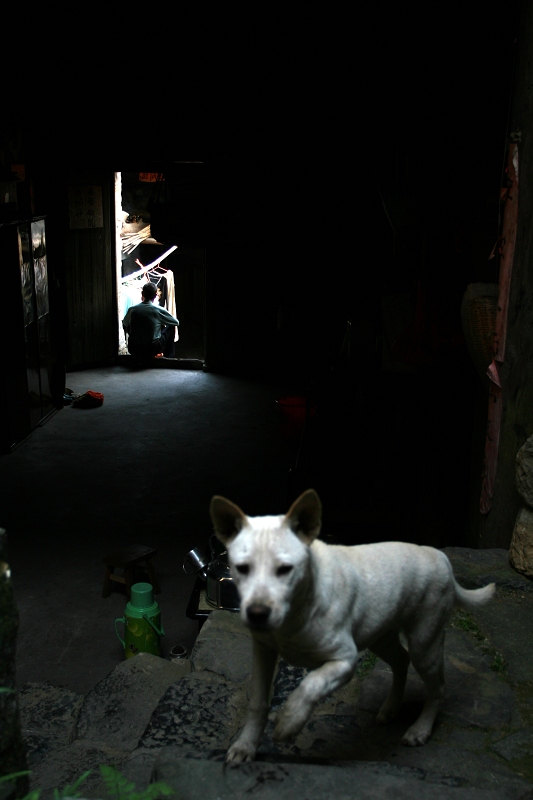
(220, 589)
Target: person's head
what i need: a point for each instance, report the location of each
(149, 292)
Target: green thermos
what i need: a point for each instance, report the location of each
(142, 622)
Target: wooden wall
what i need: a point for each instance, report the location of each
(495, 528)
(90, 279)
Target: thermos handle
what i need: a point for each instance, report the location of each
(123, 620)
(154, 626)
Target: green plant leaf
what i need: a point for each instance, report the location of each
(10, 777)
(72, 790)
(33, 795)
(121, 788)
(157, 789)
(116, 784)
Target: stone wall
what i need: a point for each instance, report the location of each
(521, 549)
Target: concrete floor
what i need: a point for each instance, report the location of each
(143, 467)
(140, 469)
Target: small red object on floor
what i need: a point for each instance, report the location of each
(88, 400)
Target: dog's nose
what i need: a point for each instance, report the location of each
(258, 615)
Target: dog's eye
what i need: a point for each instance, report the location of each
(284, 569)
(244, 569)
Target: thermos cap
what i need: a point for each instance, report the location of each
(142, 595)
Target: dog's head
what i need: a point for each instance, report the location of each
(269, 556)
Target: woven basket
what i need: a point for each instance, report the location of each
(478, 317)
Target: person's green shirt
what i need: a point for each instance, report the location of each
(144, 321)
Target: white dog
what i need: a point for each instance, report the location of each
(319, 605)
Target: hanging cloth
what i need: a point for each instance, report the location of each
(171, 299)
(130, 295)
(162, 285)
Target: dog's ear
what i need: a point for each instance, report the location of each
(304, 517)
(227, 518)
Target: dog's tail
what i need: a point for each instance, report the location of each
(472, 598)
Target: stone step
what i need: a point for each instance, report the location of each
(193, 776)
(153, 719)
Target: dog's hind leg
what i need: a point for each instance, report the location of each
(428, 660)
(390, 649)
(263, 666)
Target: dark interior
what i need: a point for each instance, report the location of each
(348, 181)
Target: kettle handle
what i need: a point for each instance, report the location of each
(123, 620)
(154, 626)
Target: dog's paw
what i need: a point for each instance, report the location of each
(416, 736)
(240, 752)
(288, 725)
(282, 733)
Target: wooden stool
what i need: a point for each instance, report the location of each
(127, 560)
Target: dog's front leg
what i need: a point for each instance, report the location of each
(263, 665)
(317, 685)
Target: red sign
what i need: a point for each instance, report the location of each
(148, 177)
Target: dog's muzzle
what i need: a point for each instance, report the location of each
(258, 615)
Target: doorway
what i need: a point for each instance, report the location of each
(183, 266)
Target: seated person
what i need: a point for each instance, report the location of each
(150, 328)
